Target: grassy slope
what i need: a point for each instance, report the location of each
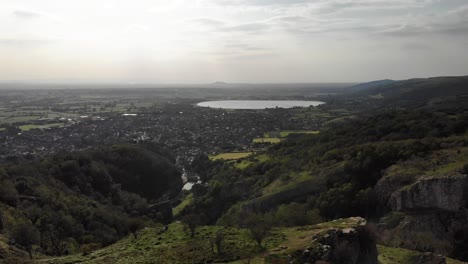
(245, 162)
(388, 255)
(438, 163)
(185, 202)
(175, 246)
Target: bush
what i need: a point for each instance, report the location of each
(134, 225)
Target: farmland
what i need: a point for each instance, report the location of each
(231, 155)
(266, 140)
(291, 132)
(29, 127)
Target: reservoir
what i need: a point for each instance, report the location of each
(258, 104)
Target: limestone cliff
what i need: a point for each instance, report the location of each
(445, 192)
(431, 210)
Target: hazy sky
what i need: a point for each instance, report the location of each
(197, 41)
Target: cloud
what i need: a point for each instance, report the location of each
(26, 14)
(262, 2)
(209, 22)
(137, 28)
(13, 42)
(416, 47)
(396, 18)
(370, 5)
(244, 47)
(255, 27)
(331, 5)
(219, 26)
(453, 22)
(250, 57)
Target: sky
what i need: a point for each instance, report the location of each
(256, 41)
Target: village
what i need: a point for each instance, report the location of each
(181, 126)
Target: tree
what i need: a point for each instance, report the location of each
(25, 235)
(8, 193)
(217, 241)
(1, 222)
(258, 228)
(192, 221)
(55, 240)
(133, 225)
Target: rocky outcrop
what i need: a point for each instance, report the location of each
(441, 224)
(435, 205)
(354, 245)
(446, 193)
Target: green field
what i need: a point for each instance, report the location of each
(187, 200)
(244, 163)
(29, 127)
(266, 140)
(231, 155)
(290, 132)
(26, 115)
(275, 135)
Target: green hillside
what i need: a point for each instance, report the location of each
(175, 246)
(396, 175)
(436, 92)
(334, 174)
(84, 200)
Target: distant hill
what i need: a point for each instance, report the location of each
(219, 83)
(368, 85)
(441, 92)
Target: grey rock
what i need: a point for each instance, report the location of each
(442, 193)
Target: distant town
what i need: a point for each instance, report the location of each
(34, 124)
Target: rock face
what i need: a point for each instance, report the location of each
(390, 184)
(442, 224)
(446, 193)
(349, 245)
